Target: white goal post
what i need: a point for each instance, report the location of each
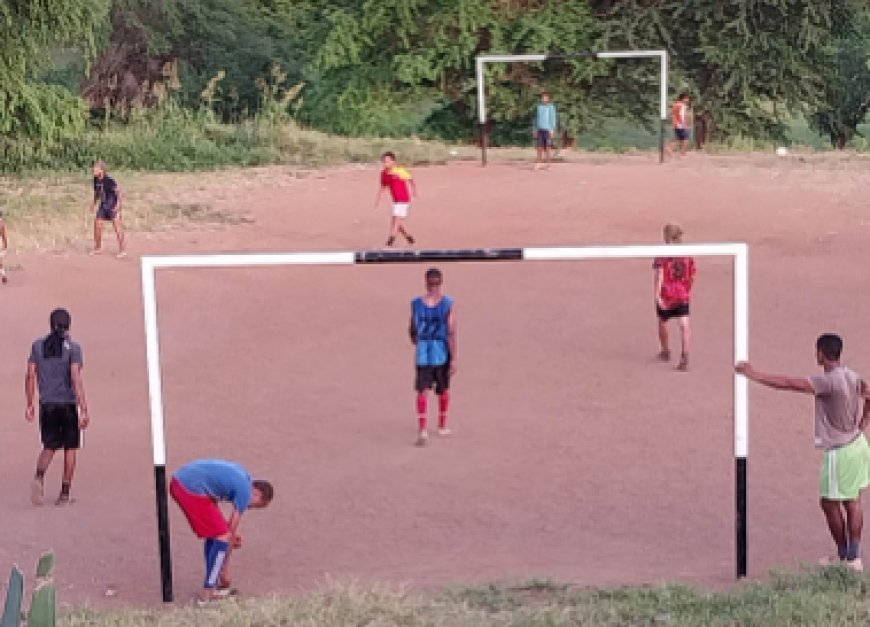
(739, 252)
(482, 60)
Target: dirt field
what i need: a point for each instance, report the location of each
(576, 455)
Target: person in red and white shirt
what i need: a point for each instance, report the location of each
(673, 281)
(400, 183)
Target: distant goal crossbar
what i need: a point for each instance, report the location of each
(738, 252)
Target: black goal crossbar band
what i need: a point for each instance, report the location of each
(417, 256)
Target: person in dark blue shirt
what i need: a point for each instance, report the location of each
(107, 205)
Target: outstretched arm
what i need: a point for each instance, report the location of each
(775, 381)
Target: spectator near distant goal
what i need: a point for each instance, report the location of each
(546, 123)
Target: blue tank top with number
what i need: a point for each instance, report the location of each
(432, 331)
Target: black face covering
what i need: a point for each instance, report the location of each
(53, 345)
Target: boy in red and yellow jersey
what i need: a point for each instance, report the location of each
(401, 184)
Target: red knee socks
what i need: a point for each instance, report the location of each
(421, 410)
(443, 404)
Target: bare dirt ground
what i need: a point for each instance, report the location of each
(576, 455)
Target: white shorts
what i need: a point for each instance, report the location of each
(400, 209)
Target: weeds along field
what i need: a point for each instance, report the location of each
(831, 596)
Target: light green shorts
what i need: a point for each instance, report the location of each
(846, 470)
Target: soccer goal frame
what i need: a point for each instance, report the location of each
(482, 60)
(738, 252)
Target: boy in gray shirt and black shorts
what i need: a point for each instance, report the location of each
(55, 367)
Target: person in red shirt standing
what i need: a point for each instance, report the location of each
(673, 280)
(400, 183)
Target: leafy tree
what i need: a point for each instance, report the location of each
(29, 32)
(399, 66)
(213, 52)
(748, 62)
(847, 85)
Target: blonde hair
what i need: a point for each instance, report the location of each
(673, 233)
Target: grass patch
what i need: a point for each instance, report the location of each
(53, 212)
(831, 597)
(174, 140)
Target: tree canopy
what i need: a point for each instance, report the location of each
(400, 67)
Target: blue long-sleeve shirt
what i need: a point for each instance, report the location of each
(545, 116)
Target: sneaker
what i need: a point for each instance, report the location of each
(37, 492)
(64, 499)
(684, 363)
(96, 251)
(665, 355)
(208, 601)
(444, 432)
(422, 439)
(856, 564)
(223, 593)
(121, 254)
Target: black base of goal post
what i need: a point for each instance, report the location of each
(662, 125)
(163, 533)
(483, 144)
(740, 528)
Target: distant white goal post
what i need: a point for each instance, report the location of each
(738, 252)
(661, 55)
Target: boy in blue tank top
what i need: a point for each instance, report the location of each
(433, 332)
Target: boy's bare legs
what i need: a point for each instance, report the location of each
(401, 228)
(686, 337)
(854, 527)
(836, 524)
(43, 461)
(665, 353)
(119, 232)
(98, 237)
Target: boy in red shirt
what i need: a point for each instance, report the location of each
(400, 182)
(673, 280)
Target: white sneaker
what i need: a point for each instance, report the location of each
(422, 438)
(444, 432)
(856, 564)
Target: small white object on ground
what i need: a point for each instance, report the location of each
(782, 151)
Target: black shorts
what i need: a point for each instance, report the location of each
(681, 134)
(104, 213)
(677, 311)
(59, 425)
(544, 138)
(433, 376)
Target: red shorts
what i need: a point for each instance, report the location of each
(202, 512)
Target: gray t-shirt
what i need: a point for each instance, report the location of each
(838, 406)
(54, 375)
